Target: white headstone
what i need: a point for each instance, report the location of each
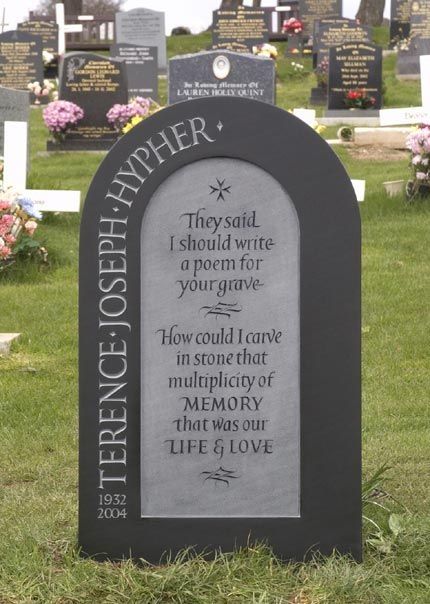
(15, 155)
(15, 174)
(425, 80)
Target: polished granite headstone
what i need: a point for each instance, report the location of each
(336, 32)
(95, 83)
(141, 68)
(20, 59)
(241, 29)
(312, 10)
(143, 27)
(400, 22)
(47, 30)
(408, 60)
(221, 73)
(14, 107)
(354, 67)
(220, 339)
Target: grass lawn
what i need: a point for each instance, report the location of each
(39, 560)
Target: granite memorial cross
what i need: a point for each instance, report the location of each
(220, 339)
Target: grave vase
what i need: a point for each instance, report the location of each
(416, 189)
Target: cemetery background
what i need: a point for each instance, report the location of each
(38, 407)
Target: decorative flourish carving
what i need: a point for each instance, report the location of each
(221, 309)
(220, 475)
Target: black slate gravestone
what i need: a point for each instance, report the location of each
(220, 339)
(354, 67)
(221, 73)
(47, 30)
(20, 59)
(141, 69)
(400, 21)
(240, 29)
(94, 83)
(143, 27)
(313, 10)
(408, 62)
(336, 32)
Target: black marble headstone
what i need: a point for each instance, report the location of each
(47, 30)
(400, 21)
(20, 59)
(353, 67)
(408, 61)
(141, 69)
(220, 339)
(221, 73)
(240, 29)
(95, 83)
(336, 32)
(312, 10)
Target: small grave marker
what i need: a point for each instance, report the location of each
(220, 339)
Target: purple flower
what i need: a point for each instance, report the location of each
(61, 115)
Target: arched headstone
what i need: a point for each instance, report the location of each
(220, 339)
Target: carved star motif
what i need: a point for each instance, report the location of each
(220, 189)
(220, 125)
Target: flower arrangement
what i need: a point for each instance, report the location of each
(265, 50)
(47, 90)
(61, 116)
(48, 58)
(297, 70)
(321, 73)
(292, 26)
(359, 99)
(18, 222)
(418, 142)
(124, 117)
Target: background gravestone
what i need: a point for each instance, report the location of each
(14, 107)
(336, 33)
(400, 21)
(354, 67)
(240, 29)
(220, 339)
(20, 59)
(221, 73)
(47, 30)
(312, 10)
(408, 60)
(142, 27)
(95, 83)
(141, 69)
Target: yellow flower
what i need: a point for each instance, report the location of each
(132, 123)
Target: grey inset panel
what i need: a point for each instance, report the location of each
(220, 345)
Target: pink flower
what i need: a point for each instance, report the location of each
(4, 204)
(30, 226)
(421, 175)
(9, 239)
(4, 251)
